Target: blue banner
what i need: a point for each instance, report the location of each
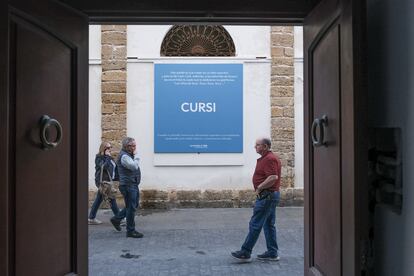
(198, 108)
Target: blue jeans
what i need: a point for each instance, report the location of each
(97, 203)
(264, 216)
(131, 198)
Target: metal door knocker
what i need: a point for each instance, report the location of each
(321, 124)
(45, 123)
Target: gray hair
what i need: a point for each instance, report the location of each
(267, 141)
(126, 141)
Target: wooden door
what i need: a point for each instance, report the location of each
(333, 126)
(46, 176)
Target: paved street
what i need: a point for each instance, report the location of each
(193, 242)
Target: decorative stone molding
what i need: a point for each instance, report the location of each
(282, 101)
(113, 83)
(198, 40)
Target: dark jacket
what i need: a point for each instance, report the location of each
(108, 168)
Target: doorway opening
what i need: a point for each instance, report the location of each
(210, 184)
(45, 57)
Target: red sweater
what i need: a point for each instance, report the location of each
(268, 164)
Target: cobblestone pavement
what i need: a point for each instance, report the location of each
(193, 242)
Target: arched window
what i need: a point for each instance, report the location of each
(198, 40)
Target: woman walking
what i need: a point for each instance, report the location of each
(104, 162)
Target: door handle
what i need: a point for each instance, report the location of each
(45, 123)
(321, 124)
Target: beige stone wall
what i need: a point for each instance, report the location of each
(156, 199)
(282, 97)
(114, 75)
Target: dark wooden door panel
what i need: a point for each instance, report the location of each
(161, 11)
(45, 230)
(333, 87)
(326, 202)
(332, 38)
(43, 177)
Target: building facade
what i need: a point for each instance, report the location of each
(122, 103)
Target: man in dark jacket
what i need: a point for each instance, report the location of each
(129, 179)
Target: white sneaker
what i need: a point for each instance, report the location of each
(94, 221)
(123, 222)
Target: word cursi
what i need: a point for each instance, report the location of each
(198, 107)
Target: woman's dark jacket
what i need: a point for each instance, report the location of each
(108, 168)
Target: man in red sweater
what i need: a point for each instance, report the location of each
(266, 182)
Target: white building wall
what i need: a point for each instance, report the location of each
(195, 171)
(298, 101)
(144, 41)
(95, 71)
(192, 171)
(189, 171)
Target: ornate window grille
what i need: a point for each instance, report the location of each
(198, 40)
